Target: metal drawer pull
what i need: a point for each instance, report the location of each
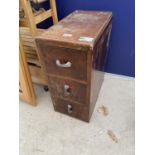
(70, 109)
(66, 90)
(65, 65)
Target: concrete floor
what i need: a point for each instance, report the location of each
(46, 132)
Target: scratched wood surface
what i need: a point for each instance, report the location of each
(78, 24)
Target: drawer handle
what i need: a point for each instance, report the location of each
(64, 65)
(66, 90)
(70, 109)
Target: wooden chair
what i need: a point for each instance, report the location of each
(29, 18)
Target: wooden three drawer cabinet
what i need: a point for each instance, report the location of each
(73, 54)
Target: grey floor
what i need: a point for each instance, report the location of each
(46, 132)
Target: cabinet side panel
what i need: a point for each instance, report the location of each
(99, 59)
(96, 83)
(101, 49)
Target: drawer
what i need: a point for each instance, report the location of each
(64, 61)
(68, 89)
(71, 109)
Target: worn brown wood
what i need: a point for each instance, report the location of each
(75, 92)
(77, 58)
(78, 111)
(78, 24)
(72, 53)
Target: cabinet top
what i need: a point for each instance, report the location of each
(80, 28)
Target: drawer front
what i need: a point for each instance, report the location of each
(64, 61)
(71, 109)
(68, 89)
